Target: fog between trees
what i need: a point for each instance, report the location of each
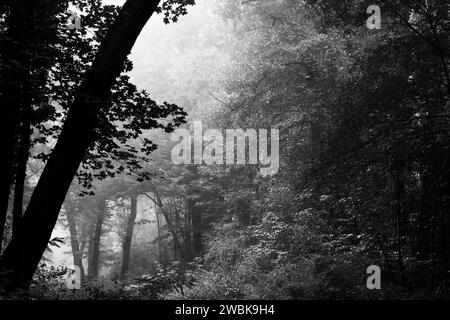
(88, 177)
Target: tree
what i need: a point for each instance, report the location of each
(21, 258)
(126, 249)
(74, 242)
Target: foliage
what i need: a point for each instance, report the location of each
(364, 143)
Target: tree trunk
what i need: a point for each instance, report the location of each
(424, 223)
(126, 252)
(176, 242)
(243, 212)
(170, 226)
(15, 59)
(77, 136)
(96, 241)
(187, 232)
(158, 226)
(90, 244)
(196, 228)
(76, 251)
(400, 191)
(21, 170)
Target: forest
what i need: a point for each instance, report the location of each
(224, 149)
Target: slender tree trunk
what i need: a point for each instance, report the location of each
(196, 228)
(15, 59)
(21, 170)
(158, 226)
(445, 264)
(173, 232)
(400, 193)
(90, 244)
(170, 226)
(96, 242)
(243, 212)
(399, 235)
(76, 251)
(126, 252)
(187, 231)
(5, 180)
(175, 251)
(73, 143)
(424, 224)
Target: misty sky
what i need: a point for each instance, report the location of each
(152, 38)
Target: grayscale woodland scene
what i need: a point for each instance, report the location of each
(224, 149)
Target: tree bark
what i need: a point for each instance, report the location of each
(158, 226)
(15, 61)
(75, 245)
(170, 226)
(94, 264)
(243, 212)
(126, 252)
(21, 170)
(425, 221)
(73, 143)
(176, 241)
(187, 231)
(196, 216)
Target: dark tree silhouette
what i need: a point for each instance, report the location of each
(22, 255)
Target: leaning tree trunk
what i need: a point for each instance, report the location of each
(126, 252)
(23, 254)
